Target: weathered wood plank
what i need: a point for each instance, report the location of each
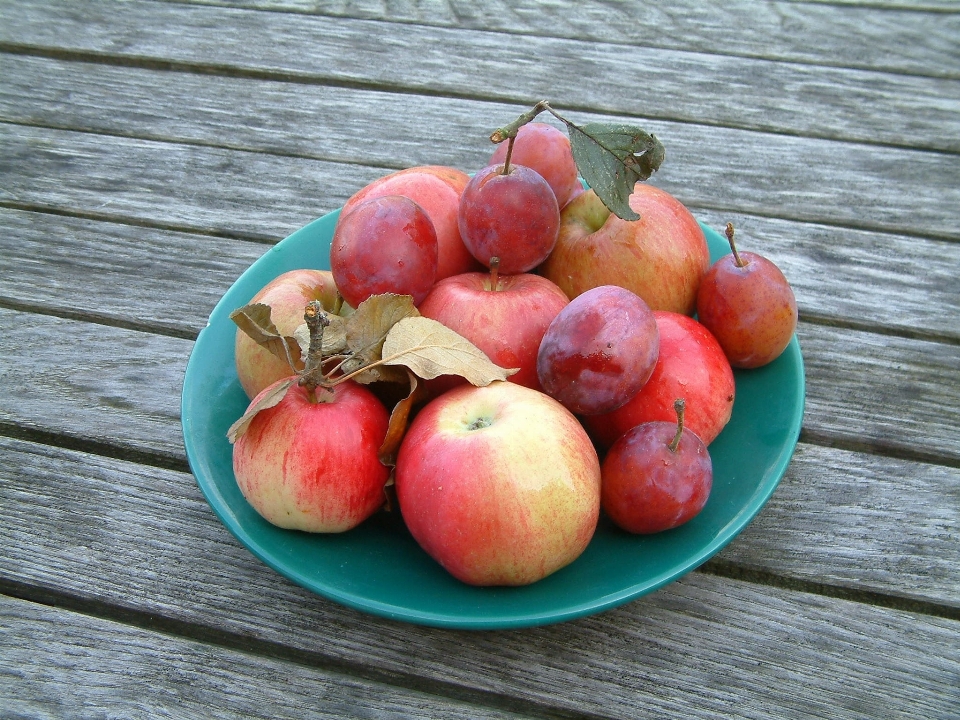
(771, 175)
(207, 190)
(861, 522)
(92, 383)
(57, 663)
(910, 41)
(702, 647)
(160, 280)
(122, 274)
(881, 392)
(260, 195)
(816, 101)
(120, 389)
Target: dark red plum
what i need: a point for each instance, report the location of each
(656, 477)
(545, 149)
(748, 305)
(513, 216)
(691, 365)
(384, 245)
(599, 351)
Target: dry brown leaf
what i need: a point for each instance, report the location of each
(255, 321)
(431, 349)
(369, 324)
(399, 419)
(266, 400)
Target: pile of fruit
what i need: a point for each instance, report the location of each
(502, 357)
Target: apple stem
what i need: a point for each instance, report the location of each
(495, 273)
(679, 405)
(733, 245)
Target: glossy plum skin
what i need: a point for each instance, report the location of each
(315, 466)
(691, 365)
(437, 189)
(545, 149)
(599, 351)
(512, 216)
(384, 245)
(646, 487)
(750, 309)
(506, 322)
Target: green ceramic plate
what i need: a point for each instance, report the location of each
(378, 568)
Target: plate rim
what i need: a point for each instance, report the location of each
(740, 520)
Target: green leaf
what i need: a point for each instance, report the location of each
(614, 158)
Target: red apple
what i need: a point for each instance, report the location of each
(503, 315)
(545, 149)
(437, 190)
(315, 466)
(287, 295)
(499, 484)
(661, 257)
(691, 366)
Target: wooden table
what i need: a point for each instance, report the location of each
(152, 150)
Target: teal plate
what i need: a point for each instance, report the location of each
(378, 568)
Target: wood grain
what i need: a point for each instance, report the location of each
(209, 190)
(107, 402)
(771, 175)
(909, 41)
(760, 651)
(58, 663)
(861, 522)
(120, 274)
(815, 101)
(92, 383)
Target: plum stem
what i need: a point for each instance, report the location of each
(733, 246)
(510, 131)
(679, 405)
(495, 273)
(506, 160)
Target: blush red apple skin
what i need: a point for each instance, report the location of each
(691, 365)
(287, 295)
(436, 189)
(315, 466)
(599, 350)
(506, 322)
(661, 257)
(750, 309)
(546, 149)
(500, 484)
(647, 487)
(512, 216)
(384, 245)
